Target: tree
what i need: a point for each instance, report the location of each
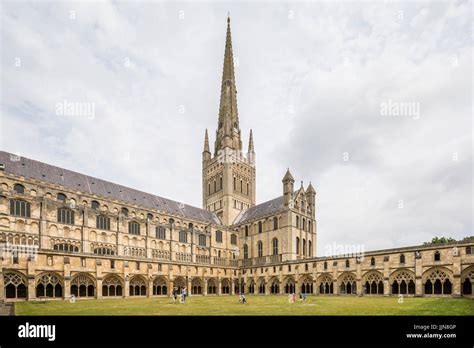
(440, 240)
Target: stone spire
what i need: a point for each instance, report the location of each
(228, 131)
(206, 142)
(251, 147)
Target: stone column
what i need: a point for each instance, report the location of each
(204, 291)
(2, 286)
(232, 286)
(335, 288)
(99, 288)
(418, 277)
(31, 287)
(150, 287)
(127, 287)
(67, 287)
(219, 287)
(457, 282)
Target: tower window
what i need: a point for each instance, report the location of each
(19, 188)
(133, 227)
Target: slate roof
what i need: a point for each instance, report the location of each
(32, 169)
(266, 208)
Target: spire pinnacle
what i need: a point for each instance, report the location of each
(206, 142)
(251, 146)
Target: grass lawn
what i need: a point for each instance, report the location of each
(257, 305)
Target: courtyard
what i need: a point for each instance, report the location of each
(257, 305)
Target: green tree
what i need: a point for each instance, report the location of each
(440, 240)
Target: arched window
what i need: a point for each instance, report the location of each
(233, 239)
(402, 258)
(246, 231)
(220, 183)
(19, 188)
(20, 208)
(297, 221)
(246, 251)
(190, 227)
(125, 211)
(260, 248)
(61, 197)
(16, 285)
(437, 256)
(275, 223)
(202, 240)
(297, 245)
(275, 246)
(260, 227)
(96, 205)
(102, 222)
(304, 225)
(183, 236)
(304, 246)
(171, 223)
(347, 264)
(372, 261)
(149, 216)
(65, 216)
(160, 232)
(133, 227)
(310, 227)
(219, 236)
(325, 265)
(310, 248)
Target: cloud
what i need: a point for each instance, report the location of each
(311, 79)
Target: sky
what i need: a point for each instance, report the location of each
(370, 101)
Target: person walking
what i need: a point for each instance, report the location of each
(175, 295)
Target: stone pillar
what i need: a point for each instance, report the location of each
(2, 285)
(150, 287)
(67, 287)
(188, 286)
(359, 291)
(126, 291)
(232, 286)
(418, 277)
(204, 291)
(457, 282)
(219, 287)
(99, 288)
(335, 288)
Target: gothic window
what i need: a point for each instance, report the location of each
(241, 186)
(133, 227)
(65, 216)
(310, 249)
(246, 231)
(219, 236)
(246, 251)
(190, 227)
(149, 216)
(275, 246)
(183, 237)
(215, 186)
(403, 283)
(374, 284)
(437, 256)
(247, 188)
(348, 284)
(202, 240)
(20, 208)
(66, 247)
(209, 188)
(372, 261)
(111, 286)
(19, 188)
(82, 285)
(49, 285)
(159, 286)
(275, 223)
(303, 227)
(326, 285)
(112, 264)
(15, 284)
(61, 197)
(233, 239)
(325, 265)
(95, 205)
(125, 211)
(260, 248)
(220, 183)
(297, 221)
(402, 258)
(304, 246)
(297, 245)
(103, 222)
(347, 263)
(438, 283)
(310, 226)
(234, 183)
(160, 232)
(137, 286)
(104, 251)
(260, 227)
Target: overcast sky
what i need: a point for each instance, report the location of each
(318, 82)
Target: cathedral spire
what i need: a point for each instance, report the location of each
(228, 131)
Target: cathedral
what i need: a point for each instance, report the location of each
(65, 234)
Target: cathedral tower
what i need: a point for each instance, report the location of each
(228, 175)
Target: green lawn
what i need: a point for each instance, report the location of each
(257, 305)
